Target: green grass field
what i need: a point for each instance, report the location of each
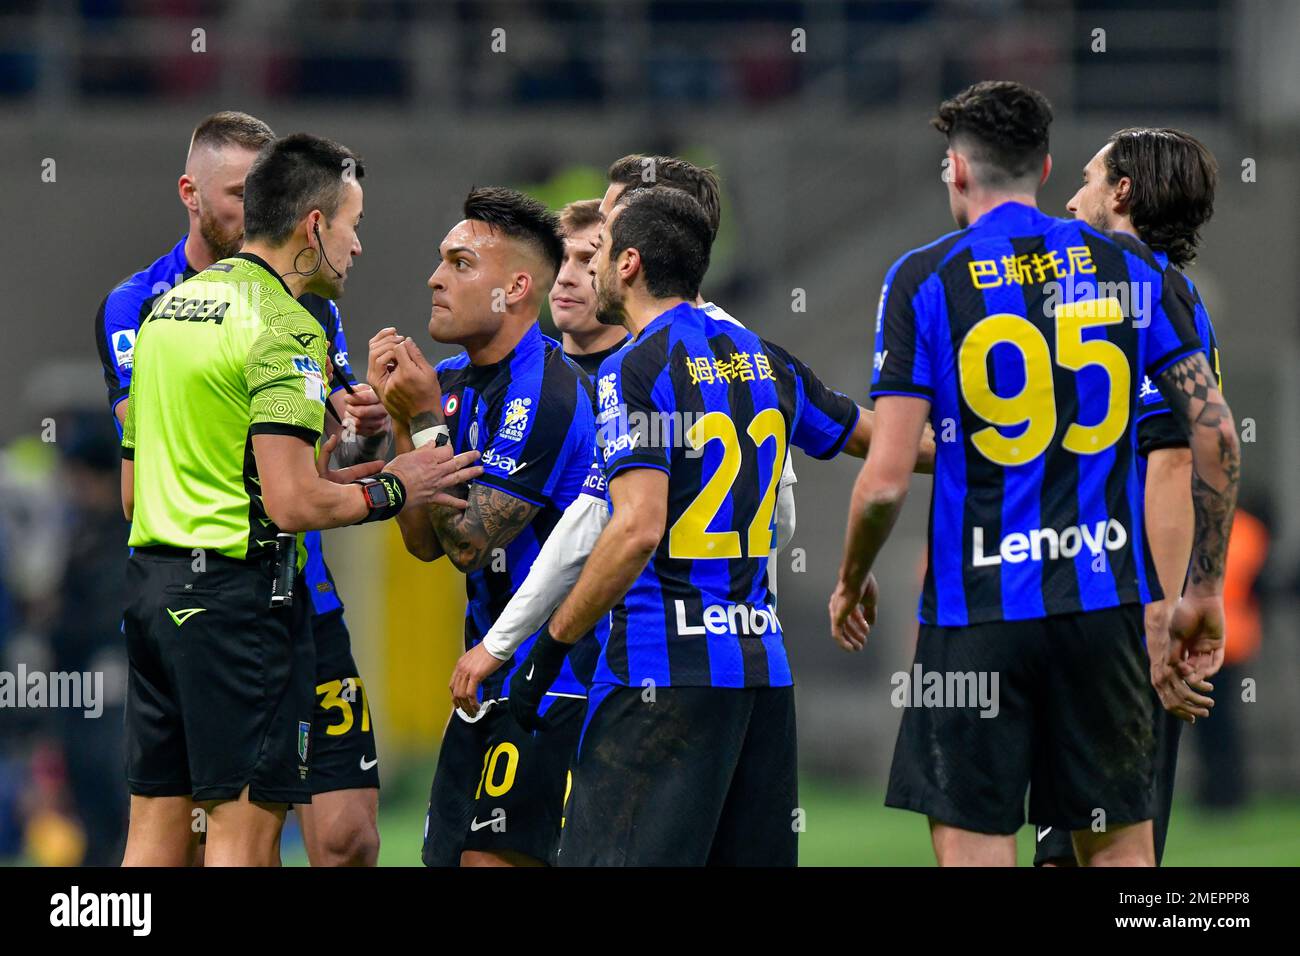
(848, 826)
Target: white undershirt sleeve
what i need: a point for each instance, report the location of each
(553, 574)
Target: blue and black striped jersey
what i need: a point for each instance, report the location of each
(1156, 425)
(530, 417)
(715, 407)
(1029, 336)
(118, 322)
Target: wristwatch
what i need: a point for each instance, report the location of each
(378, 494)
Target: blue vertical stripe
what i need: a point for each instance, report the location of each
(948, 514)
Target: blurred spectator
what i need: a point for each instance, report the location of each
(85, 635)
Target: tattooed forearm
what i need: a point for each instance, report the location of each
(491, 521)
(422, 420)
(1193, 394)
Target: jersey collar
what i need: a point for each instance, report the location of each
(682, 312)
(257, 260)
(1010, 215)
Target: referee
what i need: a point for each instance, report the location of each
(227, 403)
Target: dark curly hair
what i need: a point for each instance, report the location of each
(1003, 125)
(1172, 195)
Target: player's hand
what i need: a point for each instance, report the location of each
(1185, 700)
(377, 371)
(926, 453)
(412, 386)
(431, 472)
(853, 615)
(367, 410)
(343, 476)
(533, 678)
(474, 667)
(1196, 631)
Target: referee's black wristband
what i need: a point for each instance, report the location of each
(385, 496)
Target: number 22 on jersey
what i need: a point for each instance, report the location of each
(689, 537)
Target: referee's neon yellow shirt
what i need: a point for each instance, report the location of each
(226, 355)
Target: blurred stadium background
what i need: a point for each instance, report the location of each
(830, 172)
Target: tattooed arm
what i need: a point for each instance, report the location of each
(1196, 625)
(1189, 387)
(491, 521)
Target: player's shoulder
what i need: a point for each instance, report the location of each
(1123, 242)
(323, 310)
(648, 352)
(913, 267)
(125, 301)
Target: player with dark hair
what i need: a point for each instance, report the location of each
(498, 790)
(219, 473)
(691, 705)
(340, 827)
(1163, 179)
(1029, 336)
(561, 560)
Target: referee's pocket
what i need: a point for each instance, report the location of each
(190, 589)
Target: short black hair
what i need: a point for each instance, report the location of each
(1003, 124)
(671, 231)
(700, 182)
(518, 216)
(1174, 176)
(291, 177)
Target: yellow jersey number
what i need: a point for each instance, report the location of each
(496, 779)
(689, 537)
(1035, 405)
(340, 695)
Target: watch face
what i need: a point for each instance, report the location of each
(377, 495)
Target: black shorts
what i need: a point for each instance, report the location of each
(1072, 716)
(699, 775)
(342, 729)
(219, 688)
(1053, 845)
(499, 788)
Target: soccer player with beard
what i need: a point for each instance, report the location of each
(1158, 185)
(1031, 334)
(498, 790)
(688, 754)
(558, 565)
(340, 825)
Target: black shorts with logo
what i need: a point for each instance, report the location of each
(1053, 845)
(219, 688)
(686, 776)
(1073, 718)
(499, 788)
(343, 732)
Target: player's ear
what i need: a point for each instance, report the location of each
(188, 190)
(1047, 169)
(1123, 194)
(629, 264)
(958, 170)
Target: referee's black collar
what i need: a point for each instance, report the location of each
(257, 260)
